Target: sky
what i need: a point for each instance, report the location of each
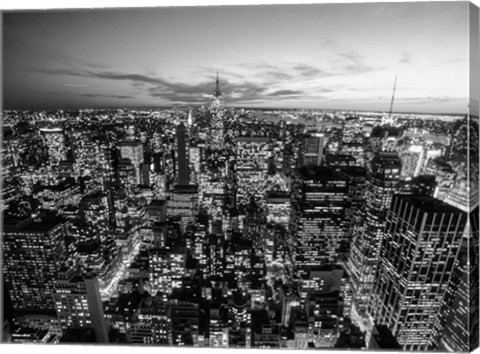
(325, 56)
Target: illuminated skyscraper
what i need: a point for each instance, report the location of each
(56, 144)
(251, 168)
(352, 131)
(312, 149)
(318, 222)
(217, 98)
(473, 278)
(33, 251)
(380, 186)
(133, 150)
(183, 172)
(419, 249)
(78, 304)
(356, 177)
(151, 323)
(183, 204)
(215, 134)
(455, 334)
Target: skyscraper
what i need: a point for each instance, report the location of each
(455, 334)
(215, 135)
(420, 245)
(318, 225)
(312, 149)
(217, 97)
(78, 304)
(33, 251)
(369, 223)
(183, 177)
(133, 150)
(251, 168)
(356, 177)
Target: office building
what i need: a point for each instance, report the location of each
(78, 303)
(420, 245)
(380, 186)
(33, 251)
(182, 160)
(318, 204)
(312, 149)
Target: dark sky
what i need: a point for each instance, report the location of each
(317, 56)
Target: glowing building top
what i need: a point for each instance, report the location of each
(217, 97)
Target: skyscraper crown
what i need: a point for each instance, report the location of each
(217, 91)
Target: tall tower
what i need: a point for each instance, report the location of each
(217, 97)
(420, 245)
(368, 226)
(182, 157)
(215, 136)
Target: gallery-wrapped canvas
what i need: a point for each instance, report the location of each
(261, 176)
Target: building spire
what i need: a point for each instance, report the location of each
(217, 91)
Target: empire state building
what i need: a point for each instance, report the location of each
(216, 120)
(217, 98)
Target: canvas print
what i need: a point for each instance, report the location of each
(263, 176)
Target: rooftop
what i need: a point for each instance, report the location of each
(429, 204)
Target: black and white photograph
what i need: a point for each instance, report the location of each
(260, 176)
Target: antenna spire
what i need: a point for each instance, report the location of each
(217, 87)
(393, 97)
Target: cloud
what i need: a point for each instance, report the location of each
(126, 77)
(74, 85)
(276, 75)
(425, 100)
(308, 70)
(94, 95)
(266, 82)
(350, 63)
(67, 72)
(286, 93)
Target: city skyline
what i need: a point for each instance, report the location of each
(242, 177)
(323, 56)
(213, 228)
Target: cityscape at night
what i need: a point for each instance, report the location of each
(278, 203)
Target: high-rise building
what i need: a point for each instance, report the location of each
(381, 183)
(183, 173)
(145, 173)
(473, 277)
(185, 322)
(216, 131)
(33, 252)
(133, 150)
(56, 144)
(325, 318)
(356, 177)
(312, 149)
(217, 97)
(127, 175)
(456, 309)
(183, 203)
(318, 220)
(252, 168)
(420, 245)
(94, 209)
(151, 323)
(78, 304)
(352, 131)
